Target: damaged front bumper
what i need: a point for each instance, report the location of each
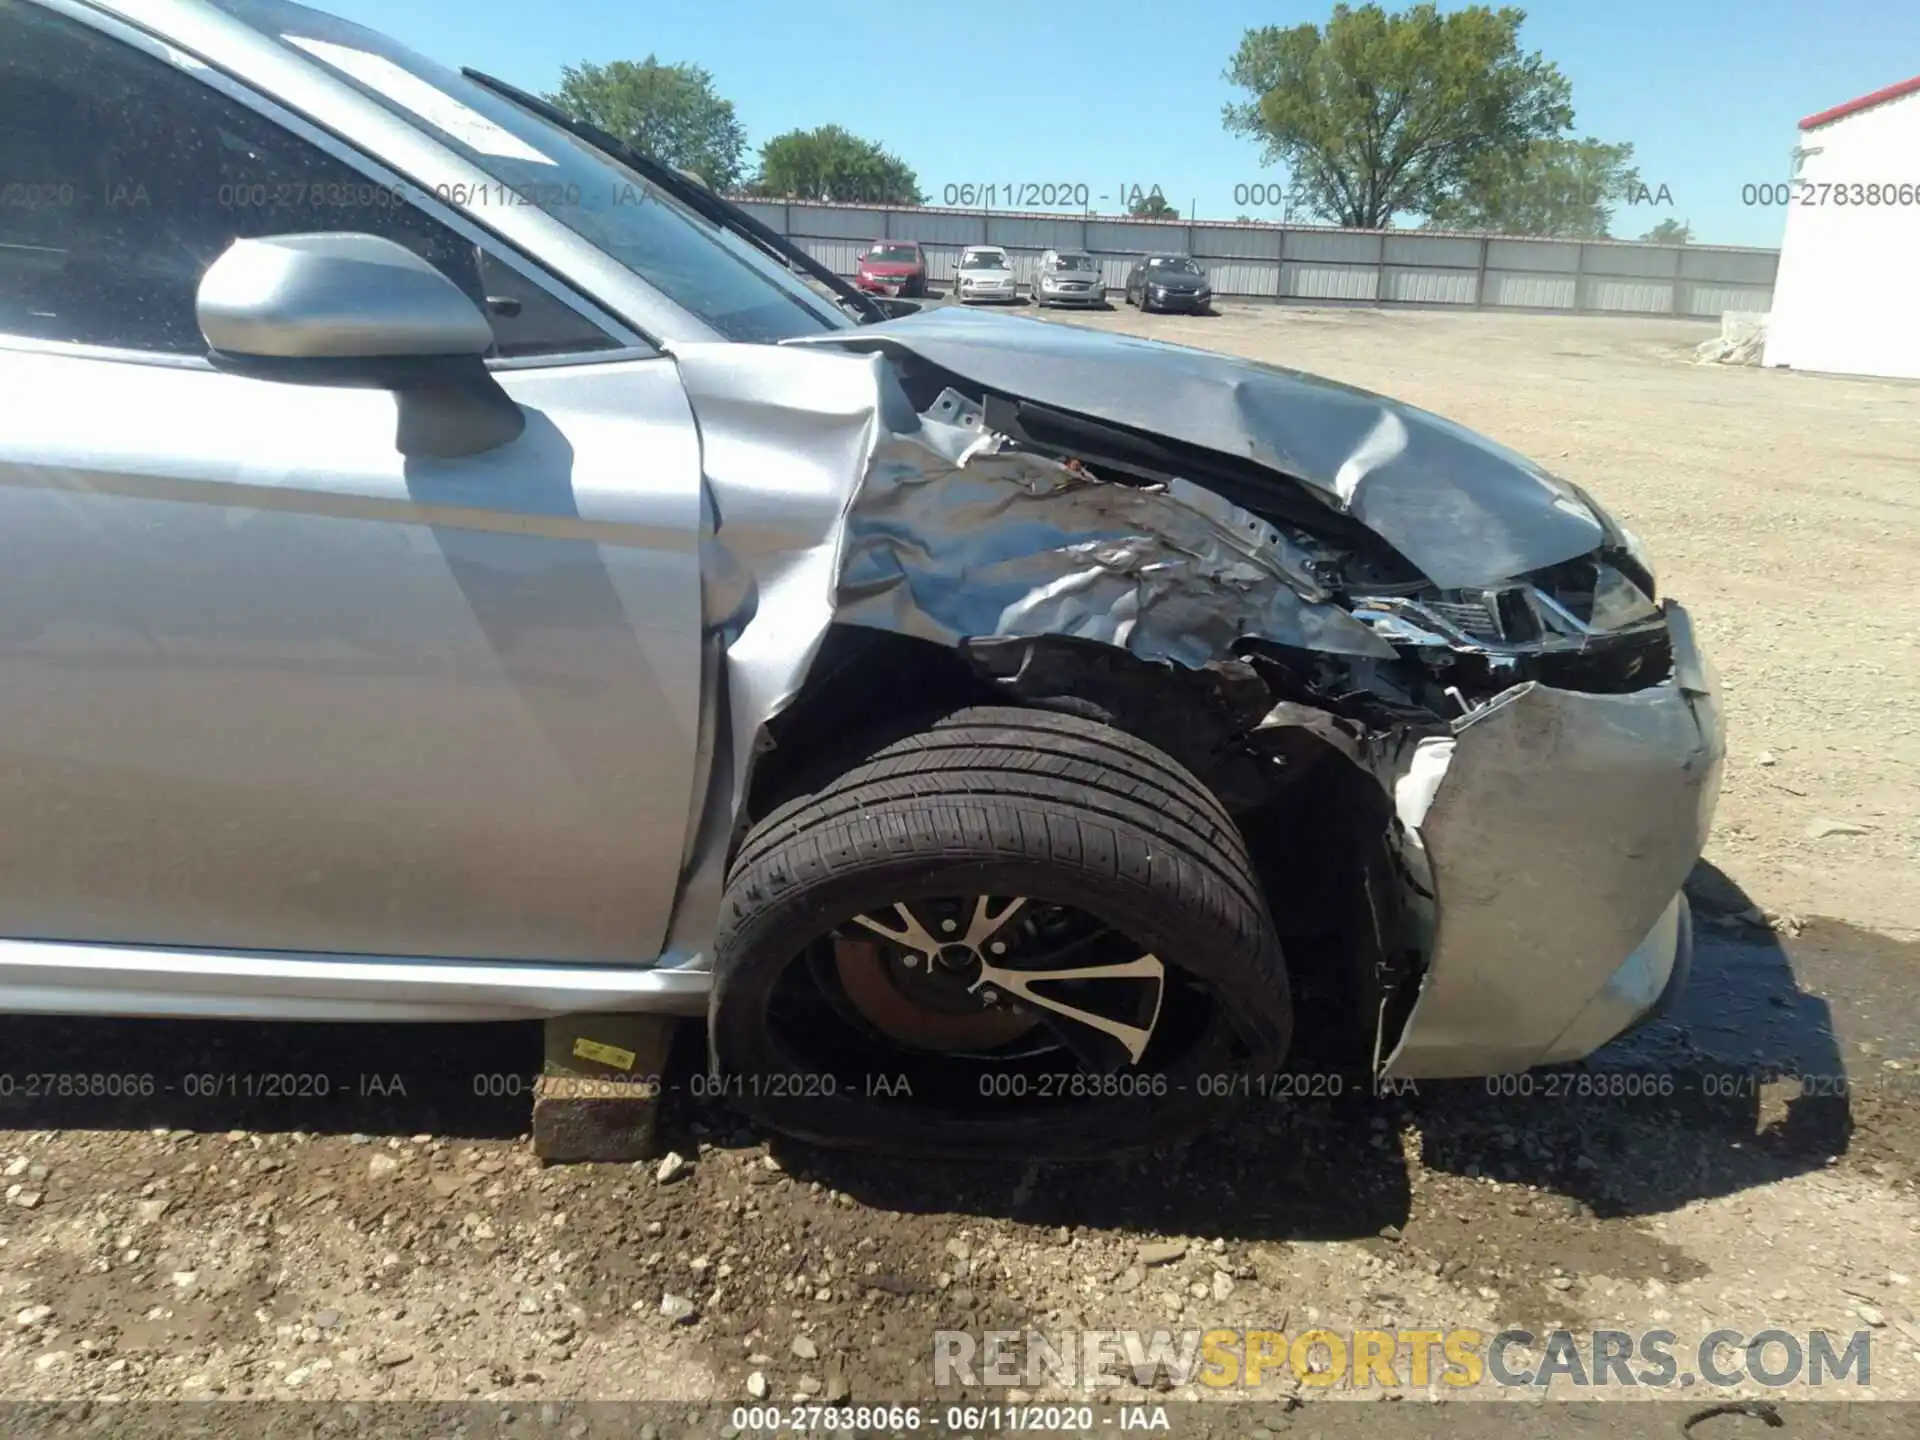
(1551, 833)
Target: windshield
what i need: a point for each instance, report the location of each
(713, 274)
(984, 260)
(1173, 262)
(1073, 262)
(894, 254)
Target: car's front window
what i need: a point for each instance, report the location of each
(713, 274)
(983, 260)
(893, 254)
(1175, 262)
(1074, 262)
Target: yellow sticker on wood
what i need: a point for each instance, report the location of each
(613, 1055)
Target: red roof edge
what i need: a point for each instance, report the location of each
(1878, 97)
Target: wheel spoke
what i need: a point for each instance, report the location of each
(911, 933)
(1133, 1038)
(987, 922)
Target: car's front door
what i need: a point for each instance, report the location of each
(266, 683)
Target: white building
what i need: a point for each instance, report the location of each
(1847, 297)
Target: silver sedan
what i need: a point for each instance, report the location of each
(436, 585)
(1069, 277)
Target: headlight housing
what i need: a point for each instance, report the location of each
(1617, 601)
(1636, 560)
(1637, 551)
(1566, 607)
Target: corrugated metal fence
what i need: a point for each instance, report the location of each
(1317, 264)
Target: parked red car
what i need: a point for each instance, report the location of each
(893, 267)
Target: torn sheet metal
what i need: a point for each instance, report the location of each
(1467, 511)
(1556, 840)
(954, 536)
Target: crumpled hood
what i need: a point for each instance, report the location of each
(1464, 510)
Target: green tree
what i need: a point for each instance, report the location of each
(669, 112)
(1377, 115)
(829, 163)
(1565, 188)
(1670, 232)
(1152, 206)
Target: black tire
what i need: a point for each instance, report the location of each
(997, 802)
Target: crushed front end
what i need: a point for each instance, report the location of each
(1473, 751)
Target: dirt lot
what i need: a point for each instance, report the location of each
(372, 1243)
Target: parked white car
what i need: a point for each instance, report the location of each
(984, 273)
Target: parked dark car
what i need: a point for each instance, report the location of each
(1169, 282)
(893, 267)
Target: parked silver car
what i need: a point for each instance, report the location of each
(1068, 277)
(983, 272)
(453, 568)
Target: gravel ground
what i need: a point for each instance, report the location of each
(393, 1238)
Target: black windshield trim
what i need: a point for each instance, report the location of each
(694, 196)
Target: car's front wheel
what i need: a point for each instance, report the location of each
(1008, 932)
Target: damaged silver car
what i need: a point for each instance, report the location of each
(456, 568)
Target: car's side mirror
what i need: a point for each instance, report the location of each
(862, 255)
(354, 309)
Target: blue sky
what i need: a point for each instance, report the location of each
(1128, 92)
